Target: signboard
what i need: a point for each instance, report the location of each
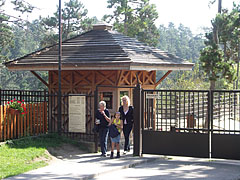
(77, 114)
(152, 96)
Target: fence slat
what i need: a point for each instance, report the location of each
(15, 126)
(45, 116)
(25, 124)
(34, 119)
(21, 121)
(27, 130)
(1, 123)
(4, 123)
(8, 125)
(31, 119)
(40, 117)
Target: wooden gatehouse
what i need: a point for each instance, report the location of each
(100, 57)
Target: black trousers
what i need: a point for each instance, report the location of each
(103, 137)
(127, 128)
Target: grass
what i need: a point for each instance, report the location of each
(22, 155)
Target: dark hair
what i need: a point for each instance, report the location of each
(116, 113)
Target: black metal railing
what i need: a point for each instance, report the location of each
(51, 101)
(196, 111)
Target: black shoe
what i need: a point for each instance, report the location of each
(103, 155)
(111, 156)
(118, 154)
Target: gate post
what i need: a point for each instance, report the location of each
(137, 138)
(95, 111)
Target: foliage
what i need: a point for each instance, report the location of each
(180, 41)
(75, 21)
(17, 105)
(6, 31)
(215, 66)
(184, 80)
(134, 18)
(220, 56)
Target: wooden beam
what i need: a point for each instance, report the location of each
(160, 80)
(40, 78)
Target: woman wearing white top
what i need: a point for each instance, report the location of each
(126, 112)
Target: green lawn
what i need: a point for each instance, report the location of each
(26, 154)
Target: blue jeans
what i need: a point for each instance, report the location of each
(103, 136)
(127, 128)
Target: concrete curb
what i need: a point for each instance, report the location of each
(119, 168)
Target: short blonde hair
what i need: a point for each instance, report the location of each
(127, 98)
(103, 103)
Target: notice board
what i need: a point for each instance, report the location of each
(77, 114)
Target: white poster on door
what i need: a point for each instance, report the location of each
(77, 114)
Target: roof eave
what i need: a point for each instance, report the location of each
(103, 66)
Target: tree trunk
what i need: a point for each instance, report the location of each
(212, 84)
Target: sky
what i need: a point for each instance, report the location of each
(194, 14)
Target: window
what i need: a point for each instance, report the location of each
(108, 98)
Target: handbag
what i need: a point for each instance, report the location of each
(113, 131)
(95, 128)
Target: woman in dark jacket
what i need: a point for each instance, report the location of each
(103, 119)
(126, 112)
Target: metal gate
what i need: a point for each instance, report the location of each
(191, 123)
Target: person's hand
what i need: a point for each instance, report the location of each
(103, 113)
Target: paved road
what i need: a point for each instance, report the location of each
(177, 169)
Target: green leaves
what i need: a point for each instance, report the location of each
(220, 63)
(74, 21)
(134, 18)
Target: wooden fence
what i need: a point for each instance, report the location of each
(34, 122)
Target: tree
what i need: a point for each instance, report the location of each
(185, 80)
(6, 38)
(221, 52)
(134, 18)
(180, 41)
(75, 21)
(213, 63)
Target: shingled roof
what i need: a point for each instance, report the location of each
(100, 49)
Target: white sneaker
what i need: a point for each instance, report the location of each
(124, 152)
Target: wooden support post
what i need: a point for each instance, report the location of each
(40, 78)
(160, 80)
(137, 139)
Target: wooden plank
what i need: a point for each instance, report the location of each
(27, 116)
(8, 125)
(19, 127)
(34, 119)
(37, 120)
(15, 125)
(1, 122)
(40, 117)
(40, 78)
(11, 124)
(25, 123)
(5, 123)
(31, 119)
(45, 117)
(22, 124)
(160, 80)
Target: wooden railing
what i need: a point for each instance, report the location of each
(34, 122)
